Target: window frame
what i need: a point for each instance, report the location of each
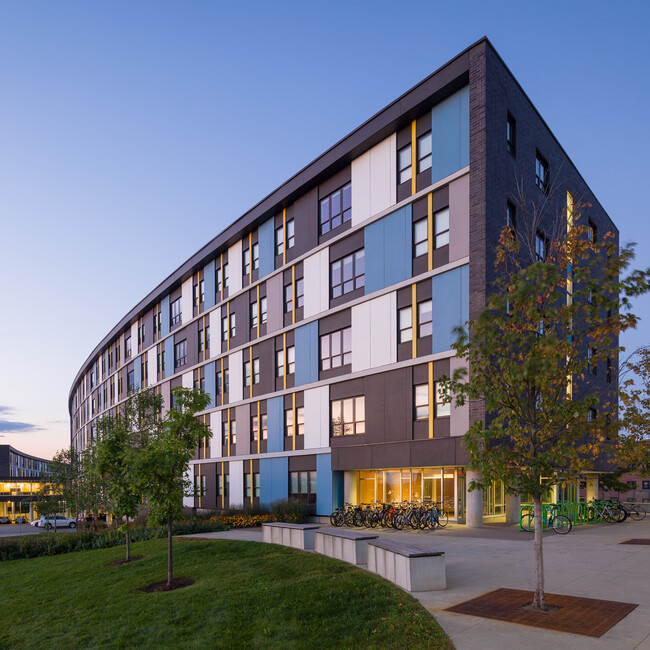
(326, 344)
(401, 170)
(440, 234)
(356, 403)
(511, 135)
(176, 312)
(422, 243)
(421, 402)
(427, 156)
(405, 333)
(542, 173)
(343, 216)
(357, 258)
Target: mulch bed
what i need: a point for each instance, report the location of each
(585, 616)
(640, 542)
(133, 558)
(178, 583)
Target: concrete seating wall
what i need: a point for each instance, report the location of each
(299, 536)
(344, 545)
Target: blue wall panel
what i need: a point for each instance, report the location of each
(137, 373)
(388, 244)
(323, 484)
(450, 306)
(265, 237)
(164, 316)
(306, 343)
(274, 480)
(450, 134)
(169, 356)
(208, 285)
(275, 420)
(101, 401)
(211, 383)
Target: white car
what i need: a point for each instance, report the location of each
(49, 522)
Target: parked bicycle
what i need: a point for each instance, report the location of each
(561, 524)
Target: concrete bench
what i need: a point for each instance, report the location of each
(344, 545)
(295, 535)
(411, 567)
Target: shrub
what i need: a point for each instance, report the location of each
(289, 511)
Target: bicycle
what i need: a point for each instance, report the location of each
(561, 524)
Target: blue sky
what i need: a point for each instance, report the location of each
(132, 133)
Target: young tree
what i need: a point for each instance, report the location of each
(554, 313)
(162, 465)
(121, 439)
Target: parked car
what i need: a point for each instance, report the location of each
(49, 521)
(20, 520)
(4, 520)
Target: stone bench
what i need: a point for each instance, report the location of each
(295, 535)
(344, 545)
(411, 567)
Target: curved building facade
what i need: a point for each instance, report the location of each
(320, 321)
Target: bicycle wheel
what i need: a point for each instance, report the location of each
(637, 513)
(400, 521)
(591, 513)
(528, 523)
(337, 519)
(561, 524)
(443, 518)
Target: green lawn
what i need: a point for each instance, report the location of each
(245, 594)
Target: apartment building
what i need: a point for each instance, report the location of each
(21, 476)
(321, 320)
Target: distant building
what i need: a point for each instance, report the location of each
(321, 320)
(20, 479)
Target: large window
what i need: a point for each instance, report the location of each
(424, 152)
(420, 237)
(336, 349)
(175, 311)
(348, 416)
(404, 165)
(291, 362)
(255, 428)
(443, 409)
(336, 209)
(441, 225)
(253, 315)
(300, 421)
(421, 402)
(541, 173)
(405, 324)
(300, 293)
(302, 487)
(263, 310)
(127, 347)
(291, 238)
(348, 274)
(180, 353)
(288, 298)
(425, 327)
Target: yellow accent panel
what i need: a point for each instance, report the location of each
(414, 321)
(431, 399)
(413, 172)
(430, 232)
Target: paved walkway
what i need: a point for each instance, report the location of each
(588, 562)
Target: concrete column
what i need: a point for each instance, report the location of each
(592, 487)
(513, 508)
(474, 503)
(31, 511)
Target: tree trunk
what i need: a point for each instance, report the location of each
(128, 545)
(539, 600)
(170, 562)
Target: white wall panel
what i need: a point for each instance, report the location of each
(374, 180)
(188, 501)
(215, 441)
(316, 274)
(236, 376)
(165, 391)
(236, 483)
(459, 218)
(459, 423)
(234, 268)
(317, 418)
(187, 380)
(152, 370)
(186, 301)
(374, 332)
(134, 340)
(215, 332)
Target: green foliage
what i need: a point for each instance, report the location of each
(244, 595)
(289, 511)
(612, 482)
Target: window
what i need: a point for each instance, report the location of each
(336, 349)
(348, 416)
(253, 315)
(225, 276)
(425, 326)
(288, 421)
(247, 485)
(288, 299)
(592, 415)
(195, 296)
(291, 240)
(219, 279)
(541, 173)
(405, 325)
(300, 293)
(256, 257)
(161, 363)
(233, 326)
(246, 261)
(336, 209)
(404, 165)
(201, 340)
(592, 231)
(511, 134)
(348, 274)
(202, 291)
(180, 353)
(256, 485)
(256, 371)
(540, 247)
(441, 225)
(247, 373)
(263, 310)
(424, 152)
(609, 370)
(302, 487)
(511, 215)
(220, 485)
(279, 240)
(255, 430)
(156, 322)
(130, 381)
(420, 237)
(279, 363)
(141, 334)
(421, 402)
(442, 409)
(127, 347)
(224, 328)
(291, 360)
(592, 366)
(645, 485)
(224, 433)
(175, 311)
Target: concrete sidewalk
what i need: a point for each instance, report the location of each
(588, 562)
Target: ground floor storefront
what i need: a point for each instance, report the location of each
(17, 498)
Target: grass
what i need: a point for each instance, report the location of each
(245, 594)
